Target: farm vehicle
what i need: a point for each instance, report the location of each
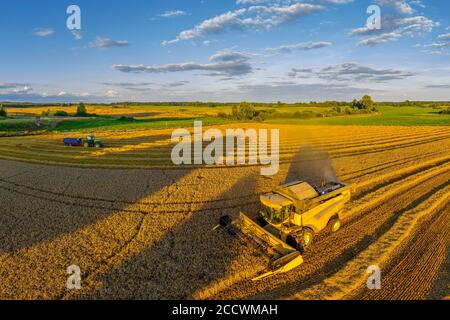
(89, 142)
(292, 215)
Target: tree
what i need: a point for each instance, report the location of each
(234, 112)
(3, 112)
(357, 104)
(60, 113)
(222, 114)
(367, 102)
(246, 111)
(81, 110)
(445, 111)
(337, 109)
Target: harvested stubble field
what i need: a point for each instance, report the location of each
(140, 228)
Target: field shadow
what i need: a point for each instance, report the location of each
(43, 203)
(186, 259)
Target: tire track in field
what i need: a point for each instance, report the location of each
(411, 274)
(138, 211)
(13, 155)
(441, 285)
(386, 165)
(283, 151)
(355, 141)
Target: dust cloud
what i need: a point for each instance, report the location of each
(313, 165)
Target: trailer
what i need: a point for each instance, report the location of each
(73, 142)
(89, 142)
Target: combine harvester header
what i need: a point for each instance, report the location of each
(281, 257)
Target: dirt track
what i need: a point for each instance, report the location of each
(147, 233)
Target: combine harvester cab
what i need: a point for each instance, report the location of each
(293, 213)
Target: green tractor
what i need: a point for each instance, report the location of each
(92, 142)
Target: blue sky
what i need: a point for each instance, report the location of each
(227, 50)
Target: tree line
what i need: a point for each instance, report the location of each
(324, 104)
(249, 111)
(81, 112)
(3, 113)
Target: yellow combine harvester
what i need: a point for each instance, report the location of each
(293, 213)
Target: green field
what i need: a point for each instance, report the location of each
(26, 124)
(109, 124)
(168, 117)
(387, 116)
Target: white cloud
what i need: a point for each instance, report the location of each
(438, 45)
(14, 88)
(127, 84)
(12, 85)
(227, 56)
(351, 72)
(275, 15)
(336, 1)
(247, 18)
(224, 63)
(254, 2)
(438, 52)
(400, 6)
(77, 34)
(304, 46)
(175, 84)
(395, 28)
(251, 1)
(62, 96)
(444, 36)
(383, 38)
(104, 43)
(174, 13)
(293, 92)
(215, 25)
(43, 32)
(111, 93)
(438, 86)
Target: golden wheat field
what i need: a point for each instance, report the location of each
(140, 228)
(119, 110)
